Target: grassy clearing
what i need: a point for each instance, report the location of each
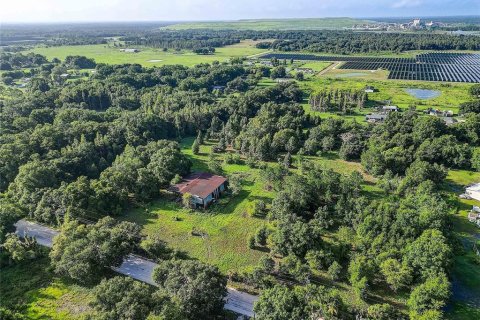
(271, 24)
(316, 65)
(394, 91)
(33, 289)
(149, 57)
(227, 225)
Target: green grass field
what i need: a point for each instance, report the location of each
(452, 94)
(271, 24)
(34, 291)
(227, 224)
(149, 57)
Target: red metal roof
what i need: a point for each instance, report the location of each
(199, 184)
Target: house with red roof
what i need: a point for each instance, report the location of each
(204, 188)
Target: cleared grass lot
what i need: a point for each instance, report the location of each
(148, 57)
(226, 226)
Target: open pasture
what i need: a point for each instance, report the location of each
(148, 57)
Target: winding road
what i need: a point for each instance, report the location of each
(136, 267)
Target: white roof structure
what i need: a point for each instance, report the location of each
(473, 191)
(474, 187)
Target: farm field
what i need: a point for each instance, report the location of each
(149, 57)
(271, 24)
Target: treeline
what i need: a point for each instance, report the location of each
(338, 42)
(347, 42)
(187, 40)
(338, 100)
(10, 61)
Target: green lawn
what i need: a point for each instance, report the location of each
(34, 291)
(148, 57)
(316, 65)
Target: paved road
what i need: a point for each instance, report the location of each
(137, 267)
(42, 234)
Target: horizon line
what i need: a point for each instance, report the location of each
(233, 20)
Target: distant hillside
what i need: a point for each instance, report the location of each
(271, 24)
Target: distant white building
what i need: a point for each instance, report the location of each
(473, 191)
(417, 22)
(390, 108)
(130, 50)
(474, 215)
(369, 90)
(375, 117)
(282, 80)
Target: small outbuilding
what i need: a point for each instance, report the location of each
(390, 108)
(219, 88)
(473, 191)
(204, 188)
(130, 50)
(283, 80)
(369, 89)
(474, 215)
(375, 117)
(449, 120)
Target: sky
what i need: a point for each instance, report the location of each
(194, 10)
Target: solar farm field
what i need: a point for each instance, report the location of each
(447, 67)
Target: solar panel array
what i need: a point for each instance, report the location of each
(437, 66)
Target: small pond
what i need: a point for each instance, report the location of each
(423, 94)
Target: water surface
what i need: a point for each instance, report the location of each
(423, 94)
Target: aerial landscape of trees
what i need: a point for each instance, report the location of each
(76, 155)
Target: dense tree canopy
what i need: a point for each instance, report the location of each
(82, 252)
